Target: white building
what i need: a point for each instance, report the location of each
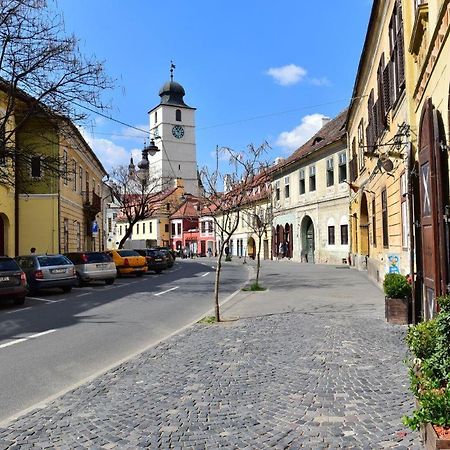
(172, 125)
(311, 194)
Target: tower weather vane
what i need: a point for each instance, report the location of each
(172, 66)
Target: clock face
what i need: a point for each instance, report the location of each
(178, 131)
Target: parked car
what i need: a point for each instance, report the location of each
(13, 281)
(128, 262)
(169, 254)
(155, 259)
(93, 266)
(48, 271)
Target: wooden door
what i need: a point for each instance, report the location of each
(433, 184)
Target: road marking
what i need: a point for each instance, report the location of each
(43, 333)
(82, 295)
(33, 336)
(46, 300)
(168, 290)
(204, 275)
(18, 310)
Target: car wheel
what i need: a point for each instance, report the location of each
(109, 281)
(67, 289)
(118, 273)
(158, 271)
(19, 300)
(79, 280)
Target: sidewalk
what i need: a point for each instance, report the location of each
(311, 363)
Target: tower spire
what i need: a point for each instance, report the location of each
(172, 66)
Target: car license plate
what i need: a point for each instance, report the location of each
(158, 259)
(58, 271)
(4, 279)
(102, 266)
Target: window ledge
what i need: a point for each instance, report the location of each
(419, 28)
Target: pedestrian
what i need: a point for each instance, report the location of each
(280, 251)
(209, 251)
(227, 250)
(32, 250)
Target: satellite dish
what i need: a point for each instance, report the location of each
(386, 163)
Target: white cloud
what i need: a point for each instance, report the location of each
(287, 75)
(133, 134)
(109, 153)
(291, 140)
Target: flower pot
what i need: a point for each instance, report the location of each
(431, 440)
(397, 310)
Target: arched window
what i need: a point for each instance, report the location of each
(156, 117)
(178, 115)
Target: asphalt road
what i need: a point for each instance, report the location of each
(56, 341)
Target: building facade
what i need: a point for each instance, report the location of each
(310, 199)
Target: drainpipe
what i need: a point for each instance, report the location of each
(16, 207)
(410, 200)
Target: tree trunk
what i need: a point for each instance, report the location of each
(127, 235)
(258, 259)
(217, 284)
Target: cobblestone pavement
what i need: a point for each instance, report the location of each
(282, 381)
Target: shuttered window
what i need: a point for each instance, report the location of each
(374, 224)
(397, 56)
(384, 212)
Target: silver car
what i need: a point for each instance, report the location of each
(93, 266)
(48, 271)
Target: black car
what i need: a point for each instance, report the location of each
(13, 282)
(169, 254)
(155, 259)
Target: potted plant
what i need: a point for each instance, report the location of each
(429, 372)
(397, 292)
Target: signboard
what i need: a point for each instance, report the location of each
(393, 263)
(94, 228)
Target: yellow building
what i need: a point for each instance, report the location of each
(378, 127)
(427, 44)
(53, 200)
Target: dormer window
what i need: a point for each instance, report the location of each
(178, 115)
(317, 139)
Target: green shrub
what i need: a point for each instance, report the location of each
(430, 369)
(421, 339)
(396, 286)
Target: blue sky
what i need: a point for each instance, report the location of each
(255, 70)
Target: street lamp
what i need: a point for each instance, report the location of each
(144, 164)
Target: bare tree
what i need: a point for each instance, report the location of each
(44, 77)
(138, 195)
(223, 196)
(258, 214)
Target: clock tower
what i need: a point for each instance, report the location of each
(172, 126)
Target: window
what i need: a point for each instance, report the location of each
(173, 229)
(36, 167)
(384, 213)
(109, 224)
(81, 178)
(330, 172)
(397, 56)
(277, 190)
(203, 227)
(150, 227)
(120, 229)
(361, 159)
(342, 167)
(156, 117)
(66, 235)
(312, 178)
(74, 175)
(344, 234)
(78, 228)
(383, 93)
(178, 229)
(301, 186)
(286, 187)
(178, 115)
(65, 170)
(166, 228)
(374, 224)
(137, 228)
(143, 228)
(405, 210)
(331, 237)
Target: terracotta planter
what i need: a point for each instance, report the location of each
(397, 310)
(431, 440)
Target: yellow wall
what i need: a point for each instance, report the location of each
(7, 214)
(38, 217)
